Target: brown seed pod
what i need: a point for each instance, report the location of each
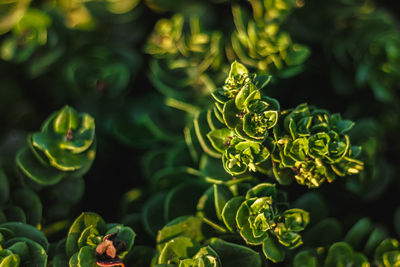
(106, 252)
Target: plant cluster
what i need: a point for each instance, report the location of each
(210, 132)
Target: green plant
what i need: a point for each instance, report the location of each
(65, 146)
(183, 59)
(264, 46)
(22, 245)
(259, 221)
(91, 241)
(305, 144)
(204, 135)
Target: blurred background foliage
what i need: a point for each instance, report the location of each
(145, 69)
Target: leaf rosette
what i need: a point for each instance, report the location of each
(243, 155)
(273, 10)
(27, 35)
(92, 242)
(101, 70)
(249, 117)
(264, 46)
(314, 144)
(65, 145)
(260, 222)
(183, 59)
(22, 245)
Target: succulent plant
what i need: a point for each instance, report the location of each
(264, 46)
(250, 132)
(92, 242)
(273, 10)
(27, 34)
(386, 254)
(211, 168)
(248, 117)
(259, 221)
(315, 145)
(183, 251)
(22, 245)
(376, 68)
(191, 248)
(183, 60)
(339, 254)
(101, 71)
(65, 146)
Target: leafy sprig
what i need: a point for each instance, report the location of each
(65, 146)
(306, 144)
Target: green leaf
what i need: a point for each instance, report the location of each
(65, 160)
(391, 258)
(85, 220)
(230, 114)
(296, 219)
(323, 233)
(182, 200)
(177, 249)
(305, 259)
(298, 149)
(256, 125)
(386, 246)
(14, 213)
(297, 54)
(272, 250)
(30, 203)
(35, 170)
(60, 261)
(185, 226)
(202, 129)
(375, 238)
(26, 231)
(20, 248)
(86, 257)
(153, 213)
(222, 195)
(10, 261)
(240, 99)
(29, 251)
(220, 138)
(247, 233)
(237, 69)
(262, 190)
(229, 212)
(262, 80)
(89, 234)
(73, 261)
(206, 205)
(66, 119)
(344, 126)
(232, 254)
(68, 192)
(314, 203)
(284, 176)
(357, 235)
(339, 254)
